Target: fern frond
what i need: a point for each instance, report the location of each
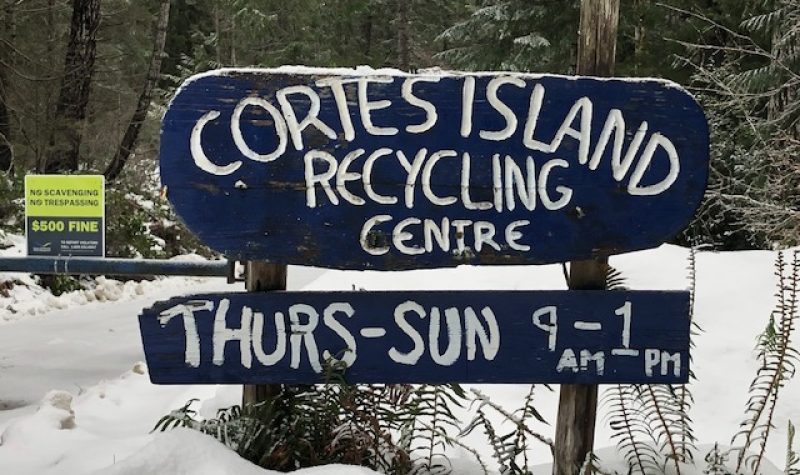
(792, 457)
(663, 414)
(778, 362)
(716, 462)
(629, 429)
(614, 279)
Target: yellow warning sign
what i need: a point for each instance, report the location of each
(65, 196)
(65, 215)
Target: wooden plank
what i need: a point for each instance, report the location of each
(409, 177)
(420, 337)
(262, 277)
(577, 408)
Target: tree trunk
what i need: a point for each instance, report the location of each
(367, 31)
(73, 98)
(403, 48)
(577, 408)
(6, 43)
(128, 144)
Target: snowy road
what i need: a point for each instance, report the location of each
(74, 348)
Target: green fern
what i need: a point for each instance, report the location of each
(629, 429)
(615, 280)
(510, 449)
(663, 415)
(651, 423)
(778, 360)
(792, 457)
(716, 462)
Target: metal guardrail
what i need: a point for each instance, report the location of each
(114, 266)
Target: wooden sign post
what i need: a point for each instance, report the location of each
(262, 277)
(365, 169)
(577, 408)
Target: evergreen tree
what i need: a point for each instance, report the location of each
(514, 35)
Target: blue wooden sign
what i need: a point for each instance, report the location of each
(420, 337)
(385, 170)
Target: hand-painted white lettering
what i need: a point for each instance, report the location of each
(296, 127)
(490, 341)
(411, 357)
(337, 87)
(269, 359)
(311, 158)
(432, 230)
(643, 165)
(624, 352)
(350, 353)
(467, 100)
(277, 122)
(625, 312)
(567, 361)
(582, 106)
(460, 225)
(438, 235)
(598, 358)
(373, 332)
(588, 326)
(400, 236)
(223, 334)
(512, 235)
(368, 164)
(497, 183)
(666, 359)
(484, 234)
(427, 171)
(453, 332)
(191, 340)
(534, 108)
(525, 185)
(365, 106)
(501, 107)
(413, 171)
(430, 110)
(551, 327)
(465, 197)
(343, 176)
(199, 156)
(615, 123)
(365, 233)
(564, 191)
(304, 333)
(651, 359)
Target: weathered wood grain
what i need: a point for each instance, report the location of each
(260, 211)
(297, 331)
(577, 407)
(262, 277)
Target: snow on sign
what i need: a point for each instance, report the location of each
(381, 169)
(420, 337)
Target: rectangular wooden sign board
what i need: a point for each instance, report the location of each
(587, 337)
(387, 170)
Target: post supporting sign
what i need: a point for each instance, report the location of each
(65, 215)
(420, 337)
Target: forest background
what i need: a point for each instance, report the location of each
(84, 84)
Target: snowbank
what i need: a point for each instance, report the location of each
(106, 427)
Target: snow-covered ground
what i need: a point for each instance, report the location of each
(74, 398)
